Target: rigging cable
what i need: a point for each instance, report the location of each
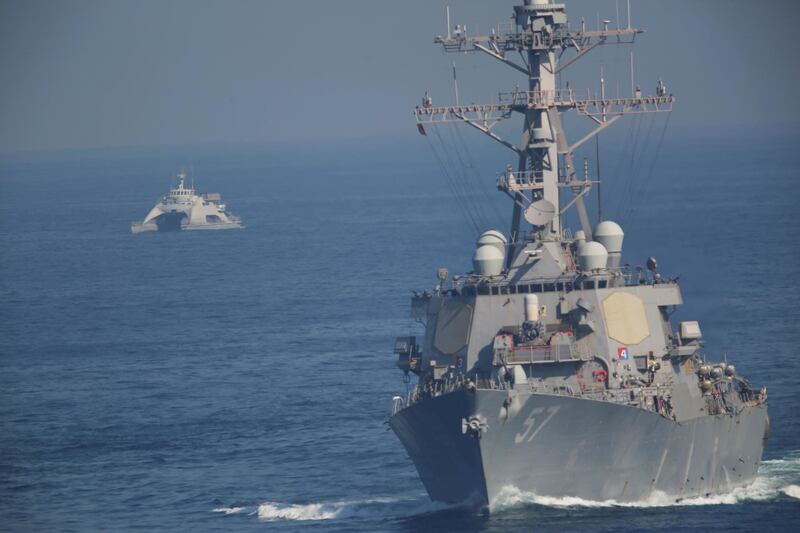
(648, 179)
(619, 185)
(636, 180)
(498, 216)
(625, 197)
(456, 183)
(456, 166)
(467, 188)
(450, 182)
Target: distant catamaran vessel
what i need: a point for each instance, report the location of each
(182, 209)
(553, 367)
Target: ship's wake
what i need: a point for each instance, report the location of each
(776, 478)
(380, 507)
(273, 511)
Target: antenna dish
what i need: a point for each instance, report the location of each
(540, 213)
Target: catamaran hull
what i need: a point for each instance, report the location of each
(229, 225)
(141, 228)
(563, 446)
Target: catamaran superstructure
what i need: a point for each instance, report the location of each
(182, 209)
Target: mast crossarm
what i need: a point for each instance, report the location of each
(513, 39)
(585, 102)
(486, 130)
(487, 114)
(501, 57)
(581, 51)
(603, 125)
(622, 106)
(563, 100)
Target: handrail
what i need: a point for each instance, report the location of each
(636, 396)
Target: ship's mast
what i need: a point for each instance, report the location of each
(540, 36)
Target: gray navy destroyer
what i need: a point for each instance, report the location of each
(553, 367)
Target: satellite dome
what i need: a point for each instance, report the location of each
(494, 238)
(488, 260)
(610, 235)
(592, 256)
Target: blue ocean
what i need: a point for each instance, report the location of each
(241, 380)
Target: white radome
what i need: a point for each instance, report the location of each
(488, 260)
(610, 235)
(592, 256)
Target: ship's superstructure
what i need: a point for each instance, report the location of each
(553, 367)
(182, 209)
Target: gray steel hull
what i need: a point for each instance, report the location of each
(564, 446)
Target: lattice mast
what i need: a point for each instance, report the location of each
(540, 36)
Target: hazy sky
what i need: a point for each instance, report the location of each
(95, 73)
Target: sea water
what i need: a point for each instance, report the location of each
(241, 380)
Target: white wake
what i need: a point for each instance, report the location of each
(229, 510)
(775, 478)
(318, 511)
(271, 511)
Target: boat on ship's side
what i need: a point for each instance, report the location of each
(553, 367)
(183, 209)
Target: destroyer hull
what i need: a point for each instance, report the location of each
(564, 446)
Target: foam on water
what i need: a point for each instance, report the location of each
(378, 507)
(229, 510)
(776, 477)
(792, 491)
(318, 511)
(271, 511)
